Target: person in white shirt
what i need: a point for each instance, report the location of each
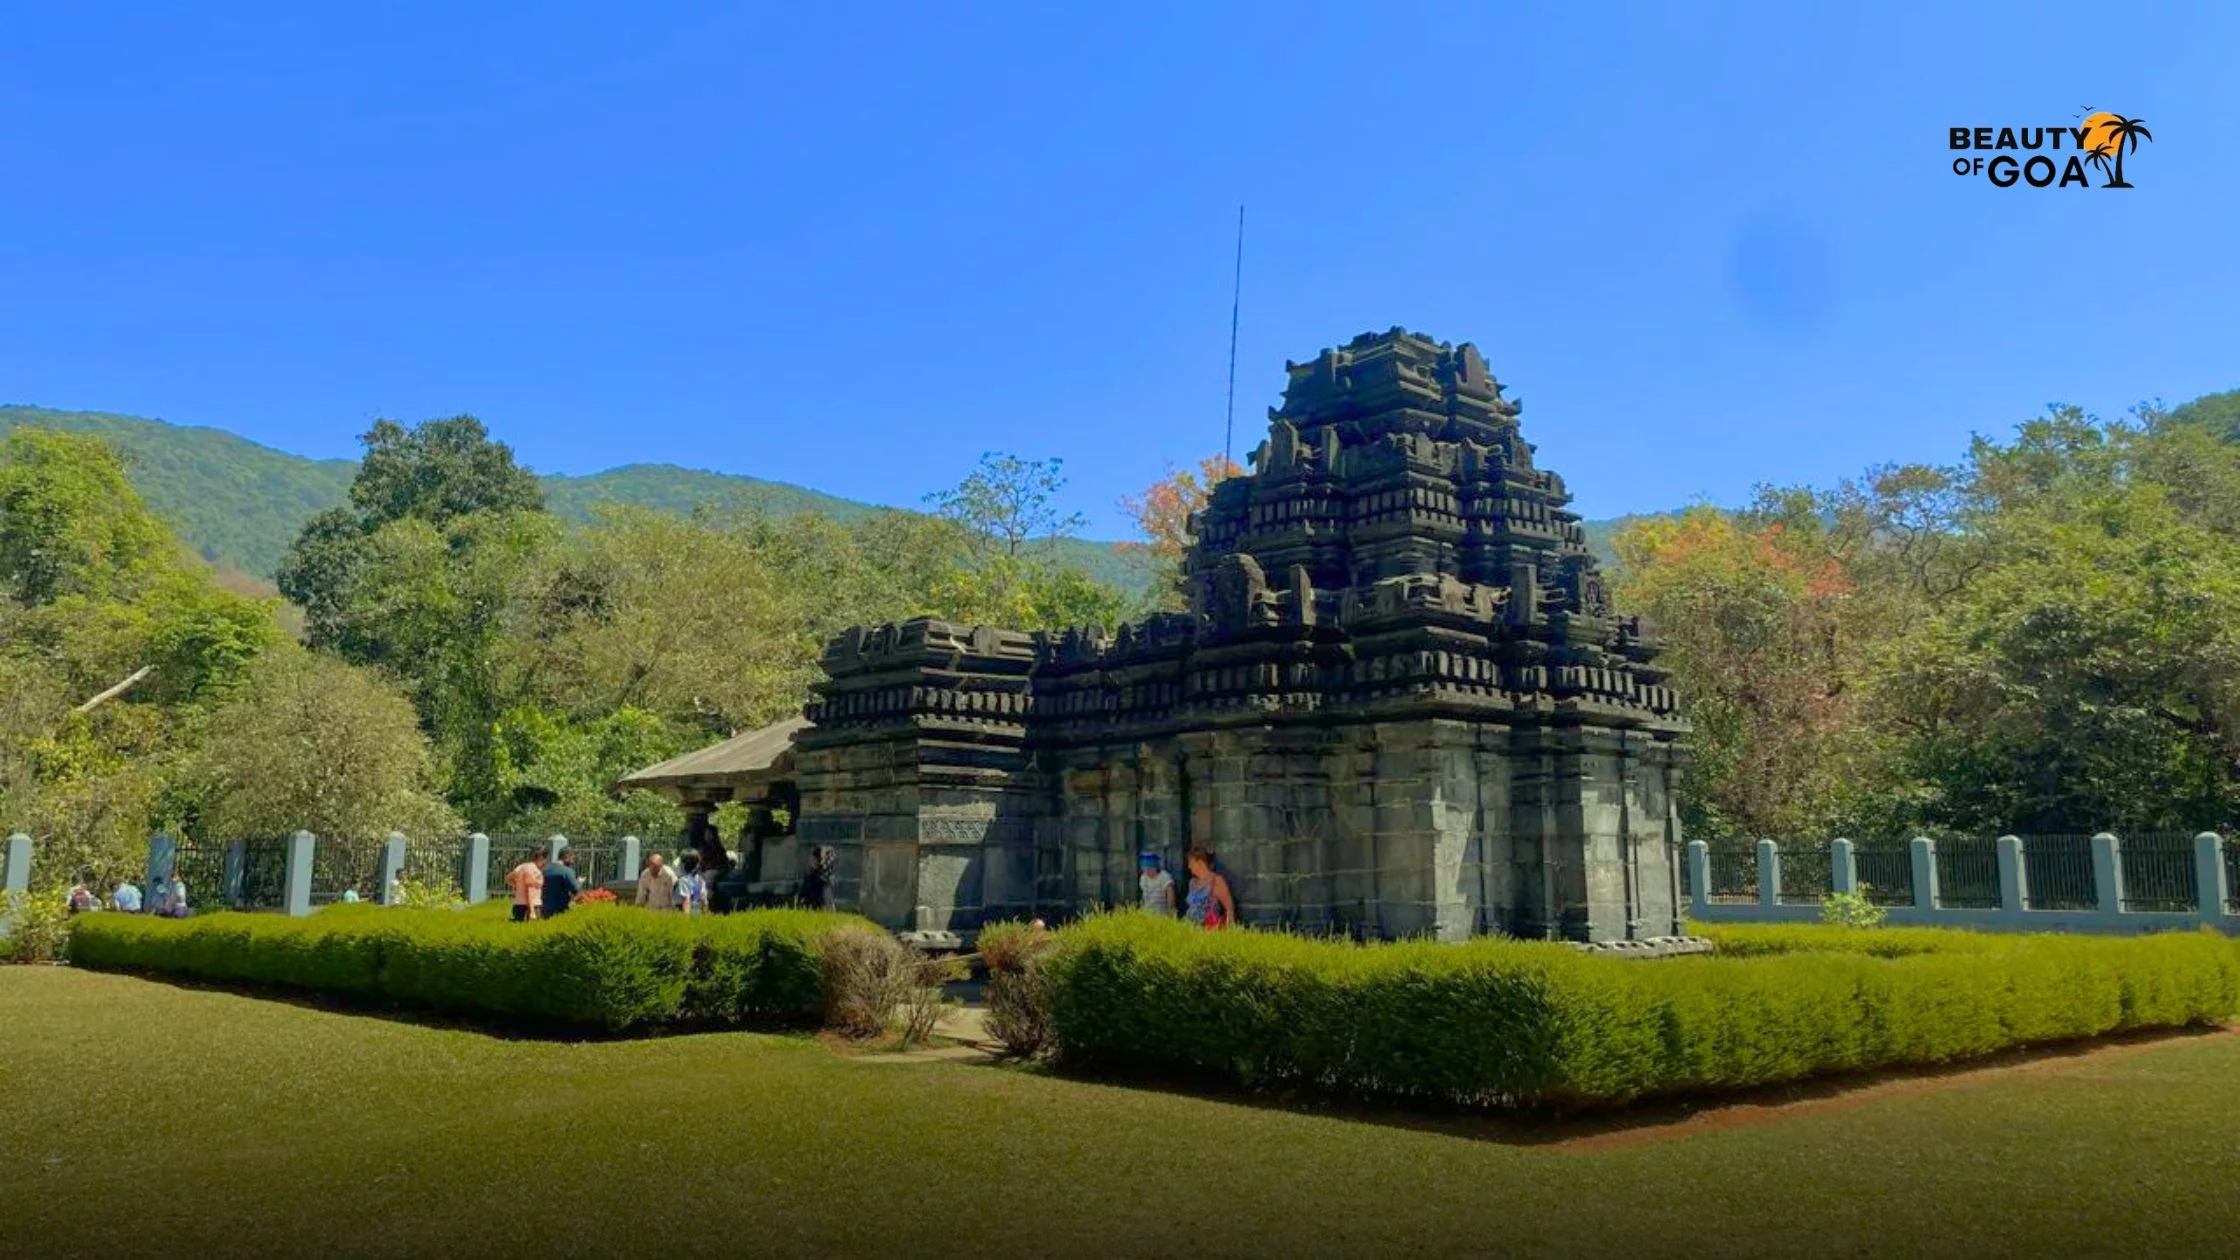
(1158, 886)
(126, 897)
(657, 885)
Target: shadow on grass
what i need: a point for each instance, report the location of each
(1616, 1125)
(493, 1026)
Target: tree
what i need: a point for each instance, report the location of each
(2089, 679)
(1163, 514)
(70, 522)
(554, 771)
(1005, 517)
(1007, 506)
(715, 625)
(438, 473)
(98, 591)
(315, 744)
(1753, 618)
(438, 470)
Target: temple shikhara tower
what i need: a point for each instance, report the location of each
(1400, 705)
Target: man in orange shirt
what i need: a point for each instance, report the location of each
(527, 882)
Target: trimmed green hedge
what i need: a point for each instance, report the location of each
(605, 967)
(1526, 1023)
(1739, 940)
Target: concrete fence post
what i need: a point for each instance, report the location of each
(234, 887)
(2107, 872)
(626, 862)
(1699, 877)
(1843, 867)
(392, 866)
(474, 869)
(1769, 873)
(1924, 855)
(2012, 875)
(2209, 874)
(16, 876)
(163, 858)
(295, 897)
(553, 844)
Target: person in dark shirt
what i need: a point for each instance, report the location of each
(560, 883)
(816, 890)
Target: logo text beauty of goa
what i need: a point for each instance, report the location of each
(2051, 157)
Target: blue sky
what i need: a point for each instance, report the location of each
(855, 249)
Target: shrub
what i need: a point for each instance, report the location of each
(34, 928)
(604, 967)
(1513, 1022)
(1851, 910)
(1018, 993)
(866, 976)
(925, 995)
(428, 894)
(1735, 940)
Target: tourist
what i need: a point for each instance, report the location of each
(350, 896)
(126, 897)
(657, 885)
(816, 890)
(527, 883)
(1209, 904)
(171, 903)
(560, 885)
(692, 886)
(81, 898)
(1158, 886)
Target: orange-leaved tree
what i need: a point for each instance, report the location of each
(1753, 613)
(1162, 515)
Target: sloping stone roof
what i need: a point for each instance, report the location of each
(732, 763)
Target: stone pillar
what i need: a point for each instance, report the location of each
(233, 890)
(392, 865)
(474, 869)
(2209, 874)
(1769, 873)
(626, 862)
(2012, 880)
(163, 856)
(1924, 873)
(295, 898)
(18, 870)
(2107, 872)
(1843, 867)
(1699, 878)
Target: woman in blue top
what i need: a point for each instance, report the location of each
(1209, 904)
(692, 886)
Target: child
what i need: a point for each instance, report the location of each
(1158, 886)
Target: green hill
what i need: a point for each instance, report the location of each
(240, 504)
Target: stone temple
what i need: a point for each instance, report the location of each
(1400, 705)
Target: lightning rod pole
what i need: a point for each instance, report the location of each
(1236, 299)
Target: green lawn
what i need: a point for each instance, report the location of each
(132, 1110)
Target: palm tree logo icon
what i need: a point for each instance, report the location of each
(2108, 137)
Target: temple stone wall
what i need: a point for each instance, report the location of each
(1400, 704)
